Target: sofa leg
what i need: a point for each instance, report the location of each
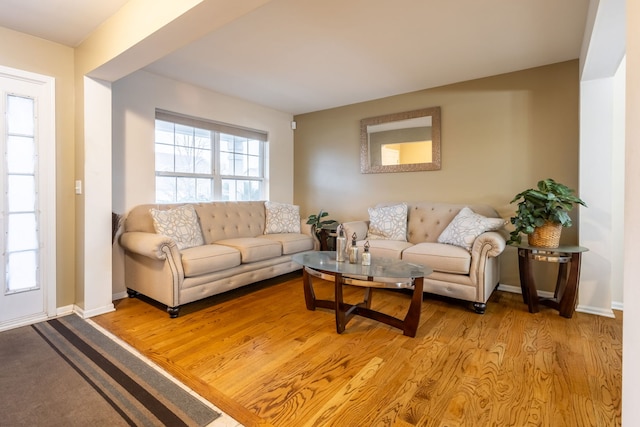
(132, 293)
(173, 312)
(479, 307)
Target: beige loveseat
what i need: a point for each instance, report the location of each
(466, 268)
(230, 248)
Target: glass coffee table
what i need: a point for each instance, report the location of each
(382, 273)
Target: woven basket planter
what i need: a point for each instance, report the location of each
(546, 236)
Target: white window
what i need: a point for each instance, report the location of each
(199, 160)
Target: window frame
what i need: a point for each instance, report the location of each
(217, 178)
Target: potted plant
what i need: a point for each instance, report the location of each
(317, 226)
(317, 222)
(542, 213)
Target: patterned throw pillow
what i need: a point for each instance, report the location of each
(388, 223)
(282, 218)
(466, 226)
(180, 223)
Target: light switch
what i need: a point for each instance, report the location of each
(78, 186)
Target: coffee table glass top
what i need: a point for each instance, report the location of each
(380, 267)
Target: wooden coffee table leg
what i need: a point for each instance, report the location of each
(412, 320)
(309, 294)
(368, 293)
(340, 307)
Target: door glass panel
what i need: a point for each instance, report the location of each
(20, 116)
(21, 271)
(20, 195)
(20, 155)
(22, 232)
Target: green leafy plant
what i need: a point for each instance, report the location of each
(551, 201)
(317, 222)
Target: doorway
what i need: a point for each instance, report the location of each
(27, 198)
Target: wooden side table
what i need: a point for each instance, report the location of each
(566, 292)
(327, 237)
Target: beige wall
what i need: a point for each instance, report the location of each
(24, 52)
(500, 135)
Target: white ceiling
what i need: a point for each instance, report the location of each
(301, 56)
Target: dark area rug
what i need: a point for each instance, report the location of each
(65, 372)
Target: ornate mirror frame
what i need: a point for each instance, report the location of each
(400, 122)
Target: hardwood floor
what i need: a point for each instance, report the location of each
(259, 355)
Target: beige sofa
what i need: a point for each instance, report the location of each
(467, 268)
(232, 250)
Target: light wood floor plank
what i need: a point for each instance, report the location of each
(260, 356)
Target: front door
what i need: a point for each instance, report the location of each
(27, 198)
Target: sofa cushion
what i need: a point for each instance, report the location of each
(281, 218)
(466, 226)
(180, 223)
(388, 222)
(253, 248)
(385, 248)
(291, 242)
(440, 257)
(208, 259)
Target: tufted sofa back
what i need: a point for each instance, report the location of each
(427, 220)
(218, 220)
(228, 220)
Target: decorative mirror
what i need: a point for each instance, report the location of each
(401, 142)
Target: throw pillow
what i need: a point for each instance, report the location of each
(180, 223)
(388, 223)
(281, 218)
(466, 226)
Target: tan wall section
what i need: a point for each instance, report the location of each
(36, 55)
(500, 135)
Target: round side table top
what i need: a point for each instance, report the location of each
(560, 249)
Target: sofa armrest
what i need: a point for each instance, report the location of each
(491, 244)
(306, 230)
(485, 264)
(359, 227)
(151, 245)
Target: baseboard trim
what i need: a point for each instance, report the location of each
(518, 290)
(85, 314)
(599, 311)
(64, 310)
(119, 295)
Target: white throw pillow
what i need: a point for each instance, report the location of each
(180, 223)
(388, 223)
(281, 218)
(466, 226)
